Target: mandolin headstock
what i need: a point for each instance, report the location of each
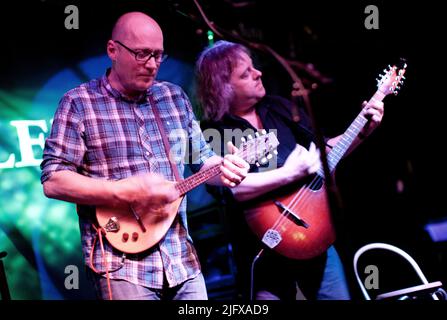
(392, 79)
(259, 149)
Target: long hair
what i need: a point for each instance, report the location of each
(213, 71)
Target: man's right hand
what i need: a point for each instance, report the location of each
(147, 192)
(302, 162)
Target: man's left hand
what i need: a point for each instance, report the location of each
(374, 113)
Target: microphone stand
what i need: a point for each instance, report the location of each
(300, 91)
(335, 203)
(334, 198)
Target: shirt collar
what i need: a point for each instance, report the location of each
(117, 94)
(229, 118)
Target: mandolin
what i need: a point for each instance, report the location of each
(132, 232)
(295, 220)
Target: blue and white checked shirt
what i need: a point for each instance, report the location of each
(101, 134)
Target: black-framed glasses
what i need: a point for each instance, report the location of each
(145, 55)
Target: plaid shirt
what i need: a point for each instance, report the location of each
(99, 133)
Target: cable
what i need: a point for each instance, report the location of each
(252, 273)
(99, 233)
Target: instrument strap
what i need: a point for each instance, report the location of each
(164, 138)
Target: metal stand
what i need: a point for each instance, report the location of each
(434, 289)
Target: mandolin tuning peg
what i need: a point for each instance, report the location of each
(243, 140)
(275, 152)
(257, 164)
(269, 156)
(263, 160)
(263, 131)
(257, 134)
(250, 137)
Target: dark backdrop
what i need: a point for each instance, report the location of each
(405, 150)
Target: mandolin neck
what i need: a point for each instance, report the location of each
(197, 179)
(348, 137)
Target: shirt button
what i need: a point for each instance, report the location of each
(167, 122)
(147, 153)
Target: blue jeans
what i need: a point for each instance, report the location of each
(334, 285)
(192, 289)
(321, 278)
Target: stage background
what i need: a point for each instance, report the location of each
(391, 187)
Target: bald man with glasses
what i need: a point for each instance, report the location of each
(106, 149)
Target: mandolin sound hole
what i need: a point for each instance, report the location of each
(316, 183)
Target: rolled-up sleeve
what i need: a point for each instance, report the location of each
(65, 146)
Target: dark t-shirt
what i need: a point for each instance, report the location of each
(274, 113)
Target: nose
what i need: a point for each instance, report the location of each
(256, 73)
(151, 63)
